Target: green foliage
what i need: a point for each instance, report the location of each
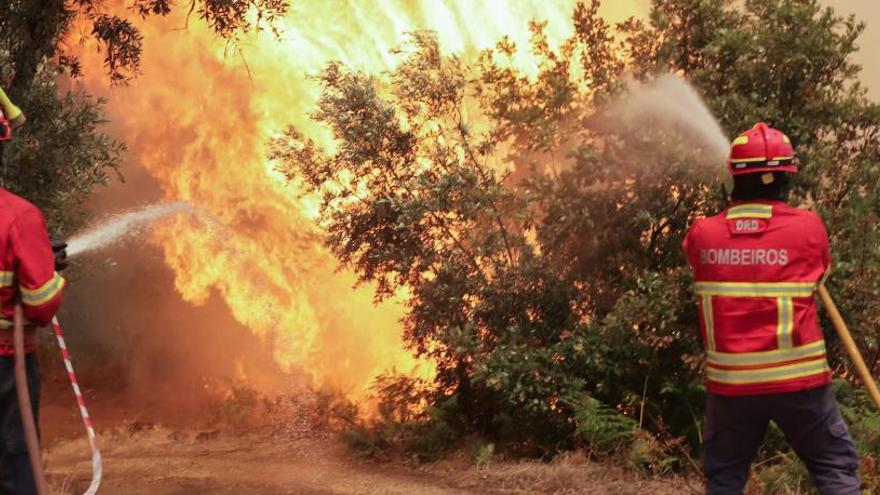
(63, 152)
(603, 428)
(482, 453)
(646, 454)
(540, 249)
(407, 422)
(863, 420)
(39, 31)
(364, 442)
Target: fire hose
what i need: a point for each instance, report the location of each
(849, 344)
(27, 415)
(24, 404)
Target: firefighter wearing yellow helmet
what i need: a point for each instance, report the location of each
(29, 276)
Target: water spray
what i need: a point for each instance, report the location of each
(672, 103)
(121, 225)
(102, 235)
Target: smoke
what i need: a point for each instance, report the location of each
(868, 12)
(671, 104)
(122, 225)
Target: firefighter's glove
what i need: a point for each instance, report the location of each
(59, 249)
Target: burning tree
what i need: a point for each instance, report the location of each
(537, 248)
(63, 152)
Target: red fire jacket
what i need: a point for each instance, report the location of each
(756, 266)
(27, 270)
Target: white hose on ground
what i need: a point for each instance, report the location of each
(97, 462)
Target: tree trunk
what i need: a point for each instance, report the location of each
(42, 21)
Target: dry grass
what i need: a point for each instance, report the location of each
(568, 474)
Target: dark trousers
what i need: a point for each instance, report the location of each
(16, 477)
(811, 422)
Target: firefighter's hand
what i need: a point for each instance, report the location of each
(59, 249)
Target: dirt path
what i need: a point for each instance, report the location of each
(189, 458)
(162, 462)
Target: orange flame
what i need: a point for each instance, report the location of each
(198, 119)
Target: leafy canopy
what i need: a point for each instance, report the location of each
(63, 152)
(539, 248)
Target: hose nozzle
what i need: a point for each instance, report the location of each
(11, 111)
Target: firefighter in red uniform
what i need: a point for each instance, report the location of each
(756, 266)
(28, 273)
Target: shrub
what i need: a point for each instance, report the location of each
(601, 427)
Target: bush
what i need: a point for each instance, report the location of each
(648, 455)
(482, 453)
(408, 424)
(539, 249)
(602, 428)
(239, 406)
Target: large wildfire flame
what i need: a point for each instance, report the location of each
(198, 119)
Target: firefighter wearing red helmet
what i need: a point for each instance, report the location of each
(756, 266)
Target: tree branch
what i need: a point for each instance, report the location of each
(484, 175)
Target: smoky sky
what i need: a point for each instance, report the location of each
(869, 44)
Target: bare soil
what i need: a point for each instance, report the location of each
(151, 452)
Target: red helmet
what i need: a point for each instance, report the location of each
(761, 149)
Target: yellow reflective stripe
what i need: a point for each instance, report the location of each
(755, 289)
(43, 294)
(709, 321)
(750, 211)
(786, 322)
(4, 323)
(780, 158)
(788, 372)
(7, 279)
(748, 160)
(775, 356)
(750, 214)
(752, 206)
